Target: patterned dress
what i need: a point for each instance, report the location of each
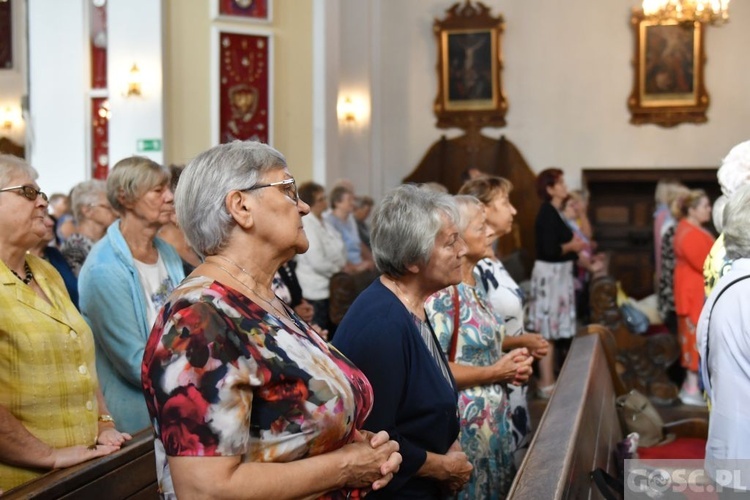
(484, 410)
(717, 265)
(222, 377)
(666, 278)
(75, 250)
(507, 300)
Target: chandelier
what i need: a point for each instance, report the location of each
(714, 12)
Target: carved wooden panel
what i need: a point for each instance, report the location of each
(621, 208)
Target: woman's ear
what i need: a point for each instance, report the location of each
(124, 202)
(240, 208)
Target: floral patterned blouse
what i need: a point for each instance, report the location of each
(222, 377)
(484, 410)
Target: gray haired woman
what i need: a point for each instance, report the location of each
(93, 215)
(125, 280)
(722, 336)
(238, 386)
(417, 247)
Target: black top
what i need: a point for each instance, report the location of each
(552, 232)
(288, 274)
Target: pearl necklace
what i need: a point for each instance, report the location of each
(29, 275)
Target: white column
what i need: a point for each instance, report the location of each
(135, 36)
(58, 106)
(325, 89)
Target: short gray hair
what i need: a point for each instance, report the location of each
(131, 177)
(84, 194)
(464, 202)
(736, 224)
(13, 165)
(405, 225)
(205, 182)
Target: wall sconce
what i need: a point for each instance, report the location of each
(7, 119)
(347, 112)
(134, 82)
(351, 111)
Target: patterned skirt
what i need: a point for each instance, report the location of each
(552, 305)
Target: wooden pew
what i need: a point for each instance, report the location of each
(642, 360)
(580, 428)
(129, 473)
(578, 431)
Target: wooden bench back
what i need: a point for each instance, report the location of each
(578, 432)
(129, 473)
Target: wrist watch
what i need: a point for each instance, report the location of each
(106, 418)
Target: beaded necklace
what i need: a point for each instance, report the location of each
(29, 275)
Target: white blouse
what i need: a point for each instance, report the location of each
(325, 257)
(502, 292)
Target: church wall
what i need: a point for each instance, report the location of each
(567, 78)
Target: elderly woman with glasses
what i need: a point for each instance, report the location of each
(417, 247)
(52, 414)
(126, 278)
(245, 398)
(93, 215)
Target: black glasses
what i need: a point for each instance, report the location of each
(289, 188)
(29, 192)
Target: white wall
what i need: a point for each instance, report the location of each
(135, 36)
(59, 66)
(58, 72)
(567, 77)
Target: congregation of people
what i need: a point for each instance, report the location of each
(194, 301)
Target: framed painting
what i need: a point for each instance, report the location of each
(242, 10)
(6, 35)
(242, 85)
(470, 92)
(668, 84)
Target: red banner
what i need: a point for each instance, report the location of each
(99, 138)
(253, 9)
(243, 87)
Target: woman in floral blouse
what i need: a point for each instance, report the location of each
(246, 400)
(506, 298)
(473, 343)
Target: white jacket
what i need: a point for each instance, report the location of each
(325, 257)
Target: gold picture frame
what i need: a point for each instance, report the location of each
(668, 84)
(469, 68)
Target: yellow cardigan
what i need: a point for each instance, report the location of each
(47, 370)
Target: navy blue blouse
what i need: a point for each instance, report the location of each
(413, 400)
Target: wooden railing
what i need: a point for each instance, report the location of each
(129, 473)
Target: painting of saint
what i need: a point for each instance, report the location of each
(669, 61)
(470, 66)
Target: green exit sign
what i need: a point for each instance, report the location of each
(145, 145)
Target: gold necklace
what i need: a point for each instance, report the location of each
(400, 293)
(282, 313)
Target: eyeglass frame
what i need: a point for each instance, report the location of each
(285, 182)
(27, 192)
(101, 205)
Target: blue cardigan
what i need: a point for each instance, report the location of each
(413, 400)
(113, 304)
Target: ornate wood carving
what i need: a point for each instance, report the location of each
(447, 159)
(642, 359)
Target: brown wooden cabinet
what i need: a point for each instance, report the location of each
(621, 208)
